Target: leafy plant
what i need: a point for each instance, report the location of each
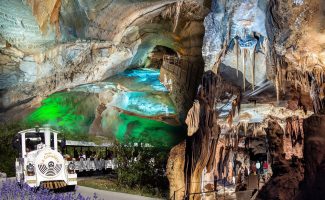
(8, 152)
(141, 167)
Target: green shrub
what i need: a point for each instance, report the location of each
(8, 152)
(142, 167)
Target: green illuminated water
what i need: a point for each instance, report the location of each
(142, 94)
(133, 128)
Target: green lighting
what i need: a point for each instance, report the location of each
(133, 128)
(72, 112)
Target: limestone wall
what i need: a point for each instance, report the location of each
(181, 78)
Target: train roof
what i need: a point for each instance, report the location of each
(85, 144)
(36, 130)
(73, 143)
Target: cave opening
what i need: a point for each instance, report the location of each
(157, 55)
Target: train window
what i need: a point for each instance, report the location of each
(33, 140)
(52, 141)
(17, 144)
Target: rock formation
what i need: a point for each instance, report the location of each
(274, 41)
(175, 171)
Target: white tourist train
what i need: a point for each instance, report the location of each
(40, 164)
(86, 160)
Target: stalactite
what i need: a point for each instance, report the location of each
(252, 56)
(247, 46)
(280, 75)
(301, 127)
(314, 94)
(288, 128)
(237, 59)
(245, 125)
(277, 89)
(178, 10)
(294, 130)
(243, 52)
(278, 72)
(322, 77)
(295, 81)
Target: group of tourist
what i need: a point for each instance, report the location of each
(259, 167)
(85, 155)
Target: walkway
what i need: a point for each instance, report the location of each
(103, 194)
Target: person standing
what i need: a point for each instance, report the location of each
(258, 166)
(253, 168)
(265, 167)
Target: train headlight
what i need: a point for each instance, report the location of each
(71, 167)
(30, 169)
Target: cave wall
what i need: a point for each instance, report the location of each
(181, 83)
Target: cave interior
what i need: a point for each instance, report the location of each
(223, 85)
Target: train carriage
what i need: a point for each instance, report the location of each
(84, 162)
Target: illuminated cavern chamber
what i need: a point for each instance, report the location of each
(131, 106)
